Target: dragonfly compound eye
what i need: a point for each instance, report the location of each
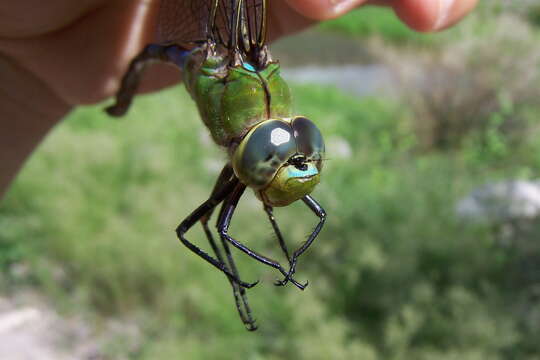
(263, 152)
(309, 140)
(280, 160)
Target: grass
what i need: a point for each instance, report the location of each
(369, 21)
(381, 23)
(378, 22)
(534, 15)
(394, 274)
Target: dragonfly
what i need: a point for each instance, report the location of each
(221, 50)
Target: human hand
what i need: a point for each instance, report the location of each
(63, 53)
(420, 15)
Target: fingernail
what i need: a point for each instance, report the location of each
(340, 6)
(445, 7)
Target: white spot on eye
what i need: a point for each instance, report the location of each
(279, 136)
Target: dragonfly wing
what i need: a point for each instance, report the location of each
(255, 19)
(183, 21)
(189, 21)
(251, 17)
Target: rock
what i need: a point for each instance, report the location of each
(501, 202)
(11, 321)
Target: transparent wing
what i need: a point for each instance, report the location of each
(192, 21)
(255, 19)
(250, 17)
(184, 21)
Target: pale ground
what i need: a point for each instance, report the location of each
(32, 330)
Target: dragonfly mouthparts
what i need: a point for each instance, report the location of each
(299, 162)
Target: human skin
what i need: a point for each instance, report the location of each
(58, 54)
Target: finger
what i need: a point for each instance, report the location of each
(431, 15)
(84, 62)
(284, 20)
(324, 9)
(420, 15)
(24, 18)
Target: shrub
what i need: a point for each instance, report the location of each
(483, 85)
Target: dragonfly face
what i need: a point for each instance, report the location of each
(281, 159)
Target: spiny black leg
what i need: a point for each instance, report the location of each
(270, 213)
(223, 227)
(197, 215)
(248, 319)
(319, 211)
(239, 292)
(152, 53)
(225, 176)
(251, 322)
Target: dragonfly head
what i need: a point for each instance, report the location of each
(281, 159)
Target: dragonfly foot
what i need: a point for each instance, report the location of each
(288, 278)
(251, 326)
(245, 284)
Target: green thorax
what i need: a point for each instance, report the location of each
(233, 99)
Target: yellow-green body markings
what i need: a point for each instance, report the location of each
(248, 111)
(233, 99)
(289, 185)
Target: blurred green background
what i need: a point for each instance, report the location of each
(393, 275)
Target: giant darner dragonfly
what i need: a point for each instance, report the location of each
(221, 49)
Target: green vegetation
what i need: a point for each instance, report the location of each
(534, 15)
(373, 21)
(393, 276)
(381, 23)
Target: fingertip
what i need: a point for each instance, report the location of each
(323, 9)
(457, 12)
(419, 15)
(432, 15)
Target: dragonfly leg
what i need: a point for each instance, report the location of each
(239, 292)
(152, 53)
(319, 211)
(199, 213)
(269, 211)
(224, 221)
